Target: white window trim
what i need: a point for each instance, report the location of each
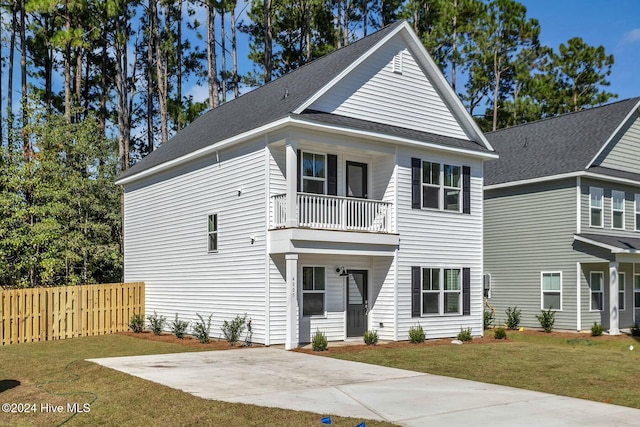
(601, 207)
(613, 210)
(216, 232)
(542, 291)
(624, 288)
(591, 292)
(313, 178)
(314, 291)
(441, 292)
(442, 187)
(636, 210)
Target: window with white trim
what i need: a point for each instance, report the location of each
(617, 209)
(441, 186)
(636, 291)
(212, 228)
(313, 290)
(551, 290)
(441, 291)
(637, 212)
(621, 286)
(597, 291)
(314, 175)
(595, 207)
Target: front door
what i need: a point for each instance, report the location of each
(357, 180)
(357, 303)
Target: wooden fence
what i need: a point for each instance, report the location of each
(44, 314)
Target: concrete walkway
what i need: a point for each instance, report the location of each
(272, 377)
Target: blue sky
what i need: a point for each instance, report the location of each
(614, 24)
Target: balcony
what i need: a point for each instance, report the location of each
(337, 213)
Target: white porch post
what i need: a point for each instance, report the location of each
(614, 315)
(292, 183)
(292, 301)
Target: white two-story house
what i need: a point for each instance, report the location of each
(342, 197)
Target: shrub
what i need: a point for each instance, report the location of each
(156, 323)
(179, 327)
(546, 319)
(137, 323)
(500, 334)
(201, 329)
(635, 330)
(416, 334)
(465, 334)
(233, 330)
(319, 341)
(596, 329)
(513, 317)
(371, 337)
(489, 317)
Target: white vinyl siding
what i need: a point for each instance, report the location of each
(617, 209)
(551, 290)
(596, 218)
(621, 290)
(597, 290)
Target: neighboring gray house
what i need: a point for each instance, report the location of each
(344, 196)
(562, 218)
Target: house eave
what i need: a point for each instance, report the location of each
(583, 174)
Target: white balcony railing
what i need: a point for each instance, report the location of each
(334, 213)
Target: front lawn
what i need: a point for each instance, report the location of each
(52, 374)
(602, 368)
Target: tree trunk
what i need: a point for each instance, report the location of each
(67, 65)
(153, 16)
(268, 41)
(23, 69)
(223, 38)
(179, 124)
(12, 50)
(161, 75)
(454, 45)
(212, 66)
(496, 91)
(234, 54)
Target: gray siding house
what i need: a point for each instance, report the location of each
(344, 196)
(562, 218)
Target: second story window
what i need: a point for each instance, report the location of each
(617, 209)
(595, 207)
(637, 212)
(431, 185)
(441, 186)
(313, 173)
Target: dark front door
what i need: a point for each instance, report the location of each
(357, 303)
(357, 180)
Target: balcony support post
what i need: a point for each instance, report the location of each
(292, 183)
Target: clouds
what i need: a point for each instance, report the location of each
(632, 36)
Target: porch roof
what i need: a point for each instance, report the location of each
(616, 244)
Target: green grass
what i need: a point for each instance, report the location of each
(603, 370)
(55, 372)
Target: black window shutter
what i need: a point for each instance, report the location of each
(466, 291)
(299, 157)
(415, 183)
(415, 291)
(466, 189)
(332, 174)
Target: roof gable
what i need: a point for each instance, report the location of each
(623, 151)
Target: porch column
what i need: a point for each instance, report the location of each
(292, 183)
(614, 314)
(291, 339)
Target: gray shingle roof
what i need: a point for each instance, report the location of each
(553, 146)
(622, 243)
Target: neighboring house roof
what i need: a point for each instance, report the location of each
(558, 145)
(284, 97)
(615, 244)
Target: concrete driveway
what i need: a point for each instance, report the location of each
(273, 377)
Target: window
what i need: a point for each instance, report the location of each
(552, 291)
(617, 209)
(636, 290)
(621, 285)
(441, 190)
(597, 285)
(441, 291)
(637, 212)
(595, 206)
(313, 173)
(213, 233)
(312, 291)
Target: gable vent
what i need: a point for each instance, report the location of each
(397, 63)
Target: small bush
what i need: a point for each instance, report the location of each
(319, 341)
(233, 330)
(596, 329)
(416, 334)
(500, 334)
(635, 330)
(179, 327)
(201, 329)
(489, 317)
(547, 319)
(156, 323)
(136, 323)
(513, 317)
(465, 334)
(371, 337)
